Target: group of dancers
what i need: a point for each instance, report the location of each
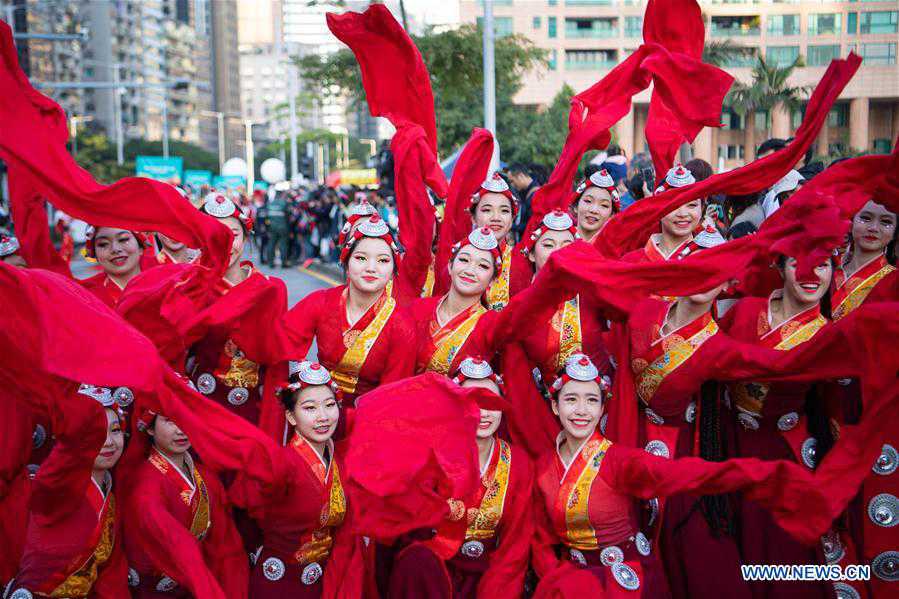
(621, 404)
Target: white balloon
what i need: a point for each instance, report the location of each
(273, 170)
(234, 167)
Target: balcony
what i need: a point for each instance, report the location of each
(590, 60)
(591, 28)
(735, 26)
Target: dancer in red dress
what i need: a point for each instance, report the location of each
(486, 553)
(180, 539)
(172, 251)
(596, 201)
(118, 252)
(495, 208)
(73, 548)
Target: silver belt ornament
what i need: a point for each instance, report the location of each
(807, 451)
(883, 510)
(658, 448)
(577, 556)
(206, 384)
(611, 555)
(887, 461)
(833, 548)
(844, 591)
(788, 421)
(625, 576)
(653, 505)
(886, 566)
(603, 422)
(21, 594)
(690, 412)
(133, 577)
(472, 549)
(749, 422)
(39, 436)
(311, 573)
(32, 470)
(273, 569)
(642, 544)
(166, 584)
(653, 417)
(238, 396)
(123, 396)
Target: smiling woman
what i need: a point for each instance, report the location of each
(118, 251)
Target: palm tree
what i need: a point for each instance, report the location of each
(721, 52)
(768, 89)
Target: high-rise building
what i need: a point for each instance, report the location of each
(226, 73)
(587, 38)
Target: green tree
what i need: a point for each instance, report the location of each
(768, 89)
(721, 52)
(454, 60)
(537, 135)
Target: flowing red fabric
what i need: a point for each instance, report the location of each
(33, 139)
(400, 479)
(396, 80)
(530, 421)
(470, 171)
(29, 215)
(690, 97)
(629, 230)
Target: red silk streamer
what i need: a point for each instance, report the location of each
(396, 80)
(33, 139)
(692, 93)
(29, 214)
(629, 230)
(471, 170)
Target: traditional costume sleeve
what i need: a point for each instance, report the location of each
(470, 171)
(16, 428)
(509, 562)
(347, 564)
(29, 215)
(629, 230)
(112, 578)
(172, 548)
(543, 553)
(223, 548)
(404, 349)
(530, 422)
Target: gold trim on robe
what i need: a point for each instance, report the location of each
(579, 533)
(447, 347)
(859, 285)
(80, 582)
(346, 374)
(483, 520)
(677, 350)
(498, 292)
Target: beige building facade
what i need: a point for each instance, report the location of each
(587, 38)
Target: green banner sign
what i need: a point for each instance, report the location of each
(160, 168)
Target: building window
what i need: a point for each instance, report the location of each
(553, 2)
(882, 146)
(554, 60)
(783, 25)
(879, 22)
(852, 22)
(824, 24)
(590, 28)
(551, 26)
(589, 60)
(838, 116)
(731, 120)
(879, 54)
(817, 56)
(536, 23)
(502, 26)
(735, 26)
(633, 26)
(741, 57)
(782, 56)
(588, 2)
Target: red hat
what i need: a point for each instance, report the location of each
(219, 206)
(477, 369)
(495, 184)
(374, 227)
(579, 367)
(603, 180)
(483, 239)
(557, 220)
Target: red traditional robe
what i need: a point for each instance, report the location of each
(104, 288)
(865, 541)
(17, 423)
(770, 423)
(490, 547)
(300, 511)
(652, 252)
(179, 534)
(73, 548)
(219, 367)
(377, 349)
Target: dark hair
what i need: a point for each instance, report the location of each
(818, 423)
(774, 144)
(517, 167)
(289, 398)
(635, 186)
(613, 150)
(716, 509)
(699, 168)
(741, 229)
(590, 169)
(737, 204)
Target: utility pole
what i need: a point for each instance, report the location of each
(220, 117)
(489, 70)
(165, 123)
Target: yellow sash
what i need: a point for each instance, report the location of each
(482, 521)
(579, 533)
(202, 520)
(570, 339)
(428, 289)
(446, 351)
(857, 296)
(80, 582)
(318, 547)
(346, 375)
(498, 293)
(677, 352)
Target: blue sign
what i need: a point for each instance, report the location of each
(197, 179)
(226, 182)
(160, 168)
(262, 185)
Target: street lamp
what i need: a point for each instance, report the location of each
(73, 131)
(248, 142)
(220, 117)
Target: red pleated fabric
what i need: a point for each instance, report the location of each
(33, 139)
(471, 170)
(29, 215)
(629, 230)
(396, 80)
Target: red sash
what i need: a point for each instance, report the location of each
(193, 493)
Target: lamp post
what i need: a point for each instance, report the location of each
(73, 131)
(116, 101)
(220, 117)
